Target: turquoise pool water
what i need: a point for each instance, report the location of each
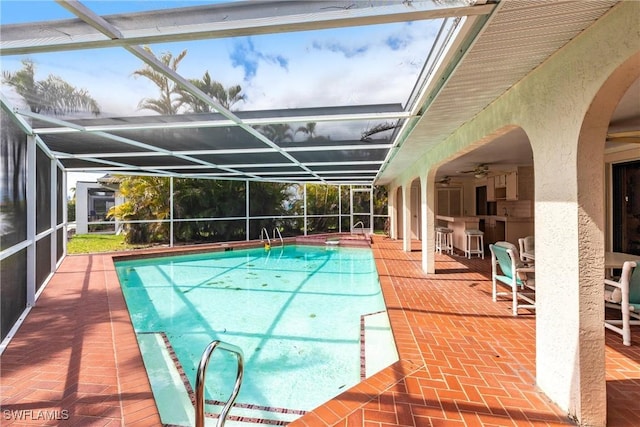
(303, 316)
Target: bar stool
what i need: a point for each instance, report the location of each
(444, 240)
(478, 237)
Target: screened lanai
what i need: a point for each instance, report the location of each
(401, 94)
(281, 92)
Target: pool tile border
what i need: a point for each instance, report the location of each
(192, 396)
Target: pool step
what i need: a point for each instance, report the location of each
(172, 399)
(331, 240)
(174, 403)
(379, 346)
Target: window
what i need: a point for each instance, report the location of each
(450, 201)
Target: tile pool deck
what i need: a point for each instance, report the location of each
(464, 360)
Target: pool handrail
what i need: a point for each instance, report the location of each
(279, 235)
(264, 233)
(361, 224)
(200, 377)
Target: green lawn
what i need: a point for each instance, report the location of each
(91, 243)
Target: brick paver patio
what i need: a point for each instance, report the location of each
(464, 360)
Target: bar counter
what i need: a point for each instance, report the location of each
(459, 224)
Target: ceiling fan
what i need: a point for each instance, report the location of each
(445, 180)
(480, 171)
(628, 137)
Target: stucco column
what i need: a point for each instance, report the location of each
(406, 217)
(427, 197)
(391, 210)
(569, 272)
(569, 212)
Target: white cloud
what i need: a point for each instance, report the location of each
(375, 64)
(360, 70)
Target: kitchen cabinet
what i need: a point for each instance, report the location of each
(497, 188)
(525, 183)
(491, 189)
(500, 181)
(516, 228)
(488, 231)
(506, 228)
(512, 186)
(503, 187)
(494, 230)
(516, 185)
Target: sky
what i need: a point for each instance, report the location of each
(338, 67)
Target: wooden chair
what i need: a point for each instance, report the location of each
(624, 295)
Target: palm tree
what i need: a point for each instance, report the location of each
(309, 129)
(277, 132)
(170, 100)
(227, 97)
(53, 94)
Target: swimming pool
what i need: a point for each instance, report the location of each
(310, 320)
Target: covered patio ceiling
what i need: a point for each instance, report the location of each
(336, 92)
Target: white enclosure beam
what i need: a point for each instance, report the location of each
(217, 21)
(31, 220)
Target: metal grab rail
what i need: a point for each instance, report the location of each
(265, 233)
(279, 235)
(361, 224)
(200, 376)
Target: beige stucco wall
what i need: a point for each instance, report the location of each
(564, 107)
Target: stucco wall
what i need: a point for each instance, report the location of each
(564, 111)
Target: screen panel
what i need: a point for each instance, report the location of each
(13, 183)
(43, 191)
(13, 290)
(43, 260)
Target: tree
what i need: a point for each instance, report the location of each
(71, 206)
(227, 97)
(170, 99)
(13, 183)
(277, 132)
(309, 129)
(380, 206)
(53, 95)
(200, 198)
(322, 199)
(269, 198)
(146, 198)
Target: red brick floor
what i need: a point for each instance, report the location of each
(464, 360)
